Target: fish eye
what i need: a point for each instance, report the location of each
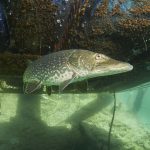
(98, 56)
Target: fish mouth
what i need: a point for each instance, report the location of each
(113, 67)
(123, 67)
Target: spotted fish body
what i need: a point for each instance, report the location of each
(68, 66)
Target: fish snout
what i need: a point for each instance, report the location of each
(123, 66)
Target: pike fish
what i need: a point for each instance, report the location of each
(68, 66)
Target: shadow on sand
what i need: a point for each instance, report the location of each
(26, 131)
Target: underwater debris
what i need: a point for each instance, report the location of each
(14, 64)
(4, 85)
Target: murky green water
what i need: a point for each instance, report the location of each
(104, 113)
(75, 121)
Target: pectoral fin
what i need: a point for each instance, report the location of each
(66, 83)
(31, 87)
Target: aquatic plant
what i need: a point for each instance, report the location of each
(32, 25)
(114, 21)
(112, 121)
(42, 26)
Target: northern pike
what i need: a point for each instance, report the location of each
(64, 67)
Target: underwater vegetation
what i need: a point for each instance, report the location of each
(113, 23)
(39, 27)
(32, 25)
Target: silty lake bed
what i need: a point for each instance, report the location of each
(79, 121)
